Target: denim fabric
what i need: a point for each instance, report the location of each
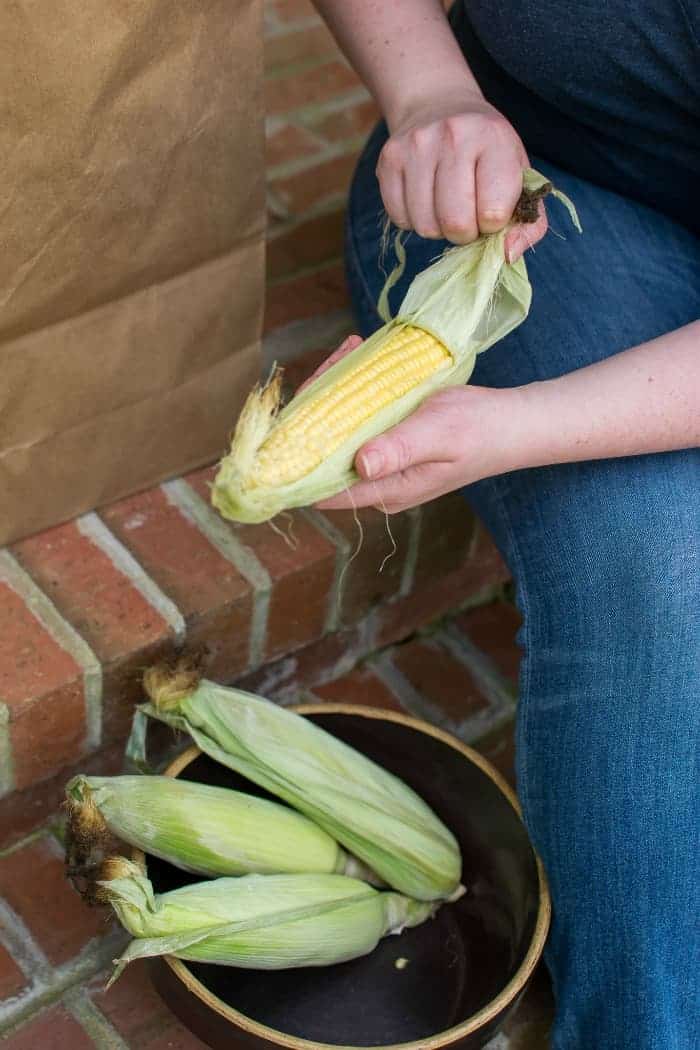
(606, 560)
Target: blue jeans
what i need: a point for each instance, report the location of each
(605, 556)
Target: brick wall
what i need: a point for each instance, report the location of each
(86, 606)
(318, 116)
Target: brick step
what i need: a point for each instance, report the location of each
(85, 606)
(459, 674)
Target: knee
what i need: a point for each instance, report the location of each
(622, 555)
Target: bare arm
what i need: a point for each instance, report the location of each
(452, 166)
(646, 399)
(405, 52)
(643, 400)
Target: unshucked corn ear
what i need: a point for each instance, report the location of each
(201, 829)
(261, 922)
(455, 309)
(372, 813)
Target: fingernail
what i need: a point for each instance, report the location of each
(372, 463)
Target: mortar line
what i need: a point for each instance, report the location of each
(327, 151)
(408, 574)
(94, 528)
(480, 666)
(19, 942)
(222, 537)
(469, 730)
(45, 991)
(65, 636)
(309, 110)
(7, 773)
(99, 1028)
(342, 551)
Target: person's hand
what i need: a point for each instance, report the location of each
(457, 436)
(452, 168)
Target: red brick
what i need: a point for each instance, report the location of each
(307, 43)
(301, 565)
(349, 122)
(311, 243)
(316, 185)
(140, 1015)
(123, 629)
(81, 580)
(435, 673)
(53, 1030)
(447, 529)
(322, 82)
(12, 980)
(363, 585)
(33, 881)
(361, 686)
(493, 628)
(291, 10)
(311, 295)
(299, 370)
(487, 565)
(42, 686)
(399, 619)
(213, 597)
(23, 811)
(289, 143)
(483, 571)
(286, 678)
(499, 748)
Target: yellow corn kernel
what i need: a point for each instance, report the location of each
(296, 447)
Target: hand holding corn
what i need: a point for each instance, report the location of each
(457, 308)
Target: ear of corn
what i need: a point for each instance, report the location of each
(455, 309)
(377, 817)
(264, 922)
(199, 828)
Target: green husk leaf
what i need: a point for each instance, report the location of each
(240, 922)
(202, 829)
(373, 814)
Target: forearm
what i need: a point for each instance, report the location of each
(406, 53)
(646, 399)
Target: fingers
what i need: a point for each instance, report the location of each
(410, 463)
(417, 485)
(427, 436)
(390, 172)
(455, 198)
(499, 183)
(419, 181)
(453, 175)
(351, 343)
(525, 236)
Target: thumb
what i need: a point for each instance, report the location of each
(418, 439)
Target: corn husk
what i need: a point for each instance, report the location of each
(201, 829)
(261, 922)
(468, 299)
(370, 812)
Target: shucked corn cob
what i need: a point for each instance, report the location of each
(461, 305)
(377, 817)
(261, 922)
(405, 359)
(199, 828)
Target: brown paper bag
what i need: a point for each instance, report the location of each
(131, 244)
